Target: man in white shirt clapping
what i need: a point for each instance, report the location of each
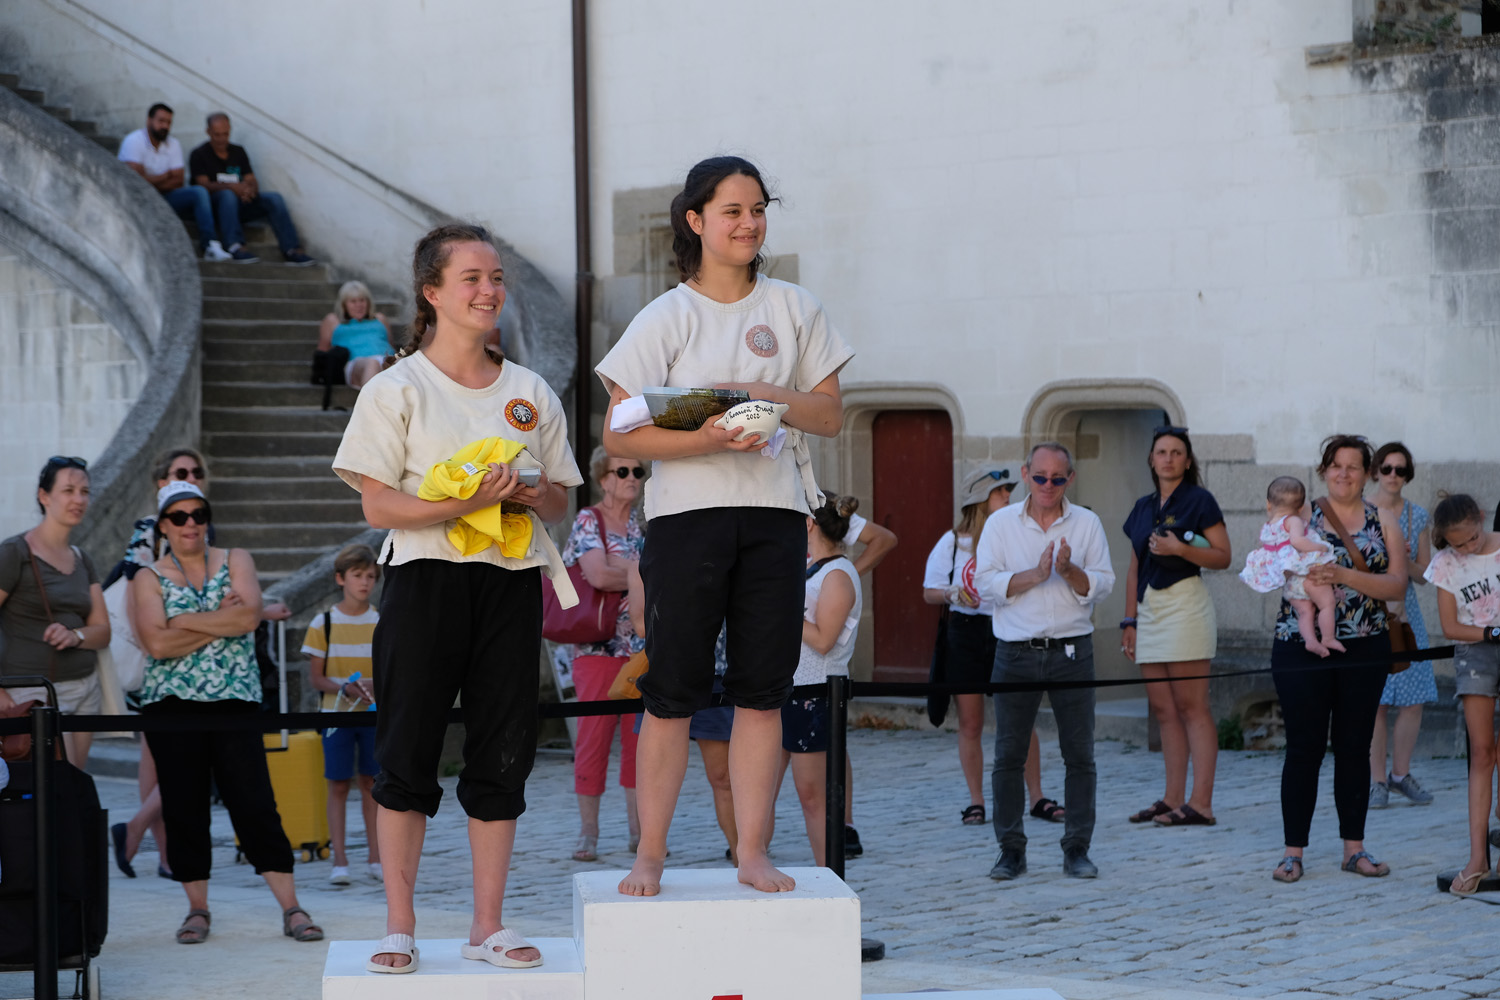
(1045, 564)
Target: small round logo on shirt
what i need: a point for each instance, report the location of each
(761, 341)
(521, 414)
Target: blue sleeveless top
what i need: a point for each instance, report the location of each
(363, 338)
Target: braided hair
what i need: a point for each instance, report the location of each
(427, 263)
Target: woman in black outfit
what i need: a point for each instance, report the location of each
(1312, 697)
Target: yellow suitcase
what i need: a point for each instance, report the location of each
(301, 792)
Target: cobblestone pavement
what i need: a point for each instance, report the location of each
(1175, 914)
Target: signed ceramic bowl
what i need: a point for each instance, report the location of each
(757, 416)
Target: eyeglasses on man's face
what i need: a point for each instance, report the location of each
(1054, 480)
(624, 472)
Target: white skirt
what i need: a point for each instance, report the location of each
(1176, 625)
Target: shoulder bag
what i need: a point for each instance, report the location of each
(594, 617)
(937, 671)
(1402, 637)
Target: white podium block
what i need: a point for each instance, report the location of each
(443, 975)
(708, 936)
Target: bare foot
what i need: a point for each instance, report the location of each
(1336, 646)
(759, 873)
(1317, 648)
(644, 878)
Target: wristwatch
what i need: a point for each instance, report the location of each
(1492, 635)
(1126, 623)
(79, 632)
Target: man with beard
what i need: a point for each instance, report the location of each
(156, 156)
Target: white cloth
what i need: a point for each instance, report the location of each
(1012, 542)
(941, 559)
(682, 339)
(1474, 582)
(136, 148)
(635, 412)
(856, 528)
(813, 667)
(411, 416)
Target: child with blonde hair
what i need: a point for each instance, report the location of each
(1287, 551)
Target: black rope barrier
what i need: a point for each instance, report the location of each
(275, 721)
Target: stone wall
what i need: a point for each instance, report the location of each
(67, 380)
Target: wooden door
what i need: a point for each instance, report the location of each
(912, 459)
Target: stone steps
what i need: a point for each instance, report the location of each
(267, 440)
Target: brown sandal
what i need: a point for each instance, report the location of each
(1155, 809)
(194, 935)
(1184, 815)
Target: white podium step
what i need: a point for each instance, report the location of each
(708, 936)
(443, 975)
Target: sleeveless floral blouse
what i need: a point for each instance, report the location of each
(224, 670)
(1357, 615)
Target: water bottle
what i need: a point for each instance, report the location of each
(1195, 540)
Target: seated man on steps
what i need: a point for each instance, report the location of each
(156, 156)
(223, 170)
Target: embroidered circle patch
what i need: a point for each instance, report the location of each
(521, 414)
(761, 341)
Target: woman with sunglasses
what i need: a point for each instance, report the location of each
(1176, 532)
(195, 611)
(1414, 687)
(52, 613)
(606, 541)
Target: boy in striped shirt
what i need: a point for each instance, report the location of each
(338, 645)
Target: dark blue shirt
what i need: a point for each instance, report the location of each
(1189, 508)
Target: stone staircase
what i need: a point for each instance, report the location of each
(268, 442)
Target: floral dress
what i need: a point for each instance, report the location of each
(1358, 616)
(585, 536)
(224, 670)
(1415, 685)
(1276, 564)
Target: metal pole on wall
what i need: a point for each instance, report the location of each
(583, 301)
(43, 750)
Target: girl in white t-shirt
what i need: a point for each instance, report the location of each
(1466, 570)
(453, 624)
(726, 539)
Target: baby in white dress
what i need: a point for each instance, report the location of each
(1287, 551)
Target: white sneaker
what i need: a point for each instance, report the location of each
(376, 872)
(216, 252)
(339, 875)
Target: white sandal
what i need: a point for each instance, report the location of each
(394, 944)
(507, 941)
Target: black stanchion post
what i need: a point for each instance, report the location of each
(838, 728)
(43, 750)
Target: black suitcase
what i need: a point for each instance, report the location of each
(82, 867)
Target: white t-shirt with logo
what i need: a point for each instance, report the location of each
(684, 339)
(136, 148)
(941, 559)
(411, 416)
(1473, 580)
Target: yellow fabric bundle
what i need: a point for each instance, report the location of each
(459, 477)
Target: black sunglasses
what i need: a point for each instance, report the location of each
(1056, 480)
(638, 472)
(1400, 470)
(1167, 430)
(66, 462)
(198, 515)
(996, 474)
(196, 472)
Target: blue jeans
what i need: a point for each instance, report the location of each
(192, 201)
(233, 213)
(1015, 715)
